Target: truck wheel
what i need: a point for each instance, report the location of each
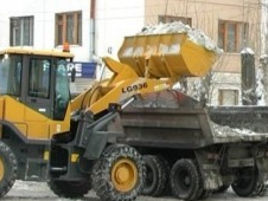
(8, 168)
(185, 180)
(119, 174)
(69, 189)
(246, 183)
(156, 176)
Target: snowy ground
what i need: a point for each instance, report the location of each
(32, 191)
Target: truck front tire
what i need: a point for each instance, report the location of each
(8, 169)
(119, 174)
(246, 184)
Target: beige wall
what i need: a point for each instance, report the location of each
(205, 15)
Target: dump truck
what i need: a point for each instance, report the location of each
(134, 134)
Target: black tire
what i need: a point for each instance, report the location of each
(185, 180)
(156, 176)
(69, 189)
(246, 184)
(10, 167)
(102, 174)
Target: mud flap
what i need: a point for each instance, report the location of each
(262, 164)
(96, 144)
(210, 171)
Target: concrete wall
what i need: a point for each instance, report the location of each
(44, 22)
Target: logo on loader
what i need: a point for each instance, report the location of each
(134, 87)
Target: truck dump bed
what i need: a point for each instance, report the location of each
(172, 119)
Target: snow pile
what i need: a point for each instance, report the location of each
(194, 35)
(226, 131)
(247, 50)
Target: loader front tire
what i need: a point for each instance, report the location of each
(8, 169)
(157, 174)
(69, 189)
(119, 174)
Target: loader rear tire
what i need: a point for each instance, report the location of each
(69, 189)
(119, 174)
(8, 169)
(246, 184)
(157, 174)
(185, 180)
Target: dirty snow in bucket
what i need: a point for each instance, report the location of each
(194, 35)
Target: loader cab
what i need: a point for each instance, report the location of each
(38, 79)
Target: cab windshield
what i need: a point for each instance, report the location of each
(10, 74)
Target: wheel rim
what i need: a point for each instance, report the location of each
(124, 175)
(183, 180)
(2, 169)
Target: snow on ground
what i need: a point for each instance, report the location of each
(33, 191)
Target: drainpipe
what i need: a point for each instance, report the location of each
(248, 78)
(92, 30)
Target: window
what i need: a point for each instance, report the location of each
(62, 93)
(39, 78)
(10, 75)
(232, 35)
(21, 31)
(69, 28)
(169, 18)
(228, 97)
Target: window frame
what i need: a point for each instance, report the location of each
(12, 40)
(239, 26)
(49, 81)
(76, 36)
(220, 96)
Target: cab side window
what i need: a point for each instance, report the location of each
(62, 93)
(39, 83)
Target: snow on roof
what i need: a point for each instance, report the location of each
(247, 50)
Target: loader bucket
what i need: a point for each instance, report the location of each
(170, 55)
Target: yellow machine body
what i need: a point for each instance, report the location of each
(30, 123)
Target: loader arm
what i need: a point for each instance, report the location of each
(146, 67)
(123, 84)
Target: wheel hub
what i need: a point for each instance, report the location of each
(124, 175)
